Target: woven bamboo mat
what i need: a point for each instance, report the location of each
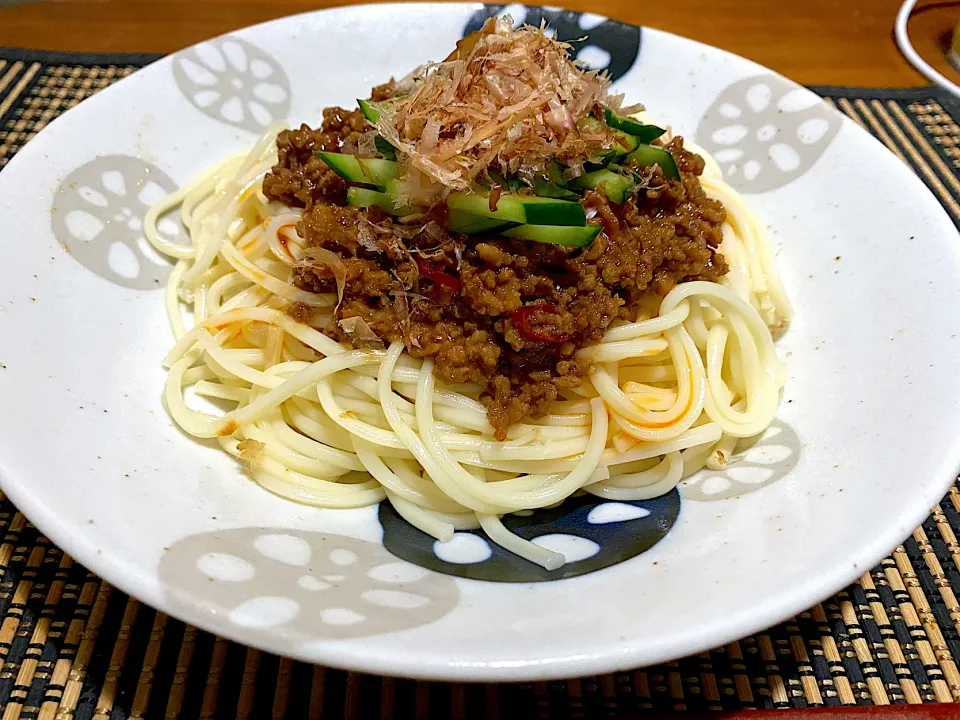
(73, 647)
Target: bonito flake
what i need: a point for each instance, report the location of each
(506, 99)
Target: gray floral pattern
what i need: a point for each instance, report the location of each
(765, 132)
(233, 81)
(770, 458)
(305, 585)
(97, 217)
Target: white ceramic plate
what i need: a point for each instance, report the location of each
(867, 440)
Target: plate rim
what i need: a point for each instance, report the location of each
(691, 640)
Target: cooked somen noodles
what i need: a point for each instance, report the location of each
(491, 287)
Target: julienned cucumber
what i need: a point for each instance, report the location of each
(364, 197)
(555, 235)
(479, 206)
(554, 173)
(370, 110)
(550, 211)
(468, 224)
(512, 184)
(388, 151)
(616, 187)
(549, 184)
(649, 155)
(623, 143)
(370, 171)
(551, 190)
(514, 208)
(645, 134)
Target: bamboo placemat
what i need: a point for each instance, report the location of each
(73, 647)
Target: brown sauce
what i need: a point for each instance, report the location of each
(470, 303)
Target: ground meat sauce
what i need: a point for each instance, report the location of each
(302, 179)
(505, 314)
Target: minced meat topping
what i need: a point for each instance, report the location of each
(507, 315)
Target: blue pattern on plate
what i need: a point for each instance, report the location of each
(619, 40)
(617, 540)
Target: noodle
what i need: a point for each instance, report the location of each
(322, 424)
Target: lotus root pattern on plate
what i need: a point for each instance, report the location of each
(772, 457)
(234, 82)
(97, 217)
(598, 42)
(305, 585)
(765, 132)
(592, 533)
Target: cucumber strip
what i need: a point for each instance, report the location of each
(508, 209)
(511, 184)
(517, 209)
(365, 197)
(548, 211)
(555, 234)
(468, 224)
(554, 173)
(644, 133)
(388, 151)
(649, 155)
(616, 187)
(370, 110)
(371, 171)
(623, 143)
(551, 190)
(622, 146)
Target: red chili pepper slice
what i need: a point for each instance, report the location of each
(430, 272)
(522, 321)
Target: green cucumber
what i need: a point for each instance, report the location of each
(617, 188)
(555, 234)
(514, 208)
(512, 184)
(645, 134)
(623, 144)
(554, 173)
(365, 197)
(508, 210)
(361, 170)
(542, 186)
(469, 224)
(549, 211)
(388, 151)
(551, 190)
(370, 110)
(649, 155)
